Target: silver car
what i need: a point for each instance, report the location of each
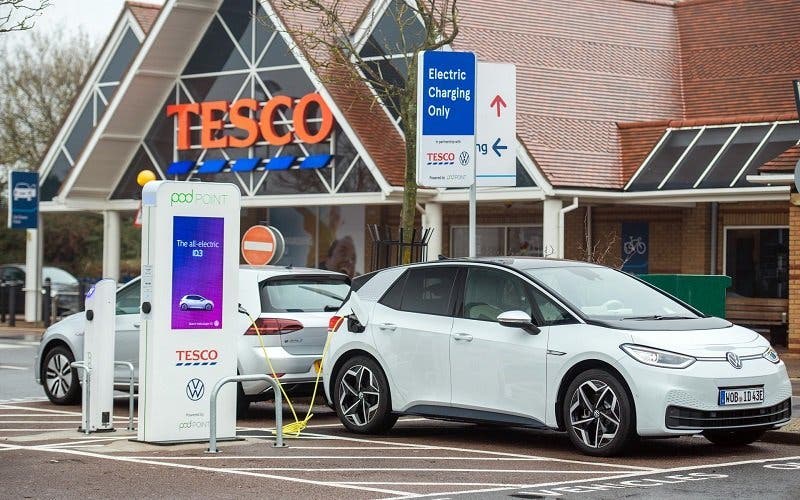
(291, 307)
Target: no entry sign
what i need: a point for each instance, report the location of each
(262, 245)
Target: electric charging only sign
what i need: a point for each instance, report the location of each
(446, 119)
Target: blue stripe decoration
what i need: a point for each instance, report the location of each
(316, 161)
(212, 166)
(180, 167)
(280, 163)
(245, 164)
(204, 363)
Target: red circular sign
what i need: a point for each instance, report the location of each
(258, 245)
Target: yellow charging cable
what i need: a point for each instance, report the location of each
(295, 428)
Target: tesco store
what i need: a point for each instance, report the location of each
(645, 140)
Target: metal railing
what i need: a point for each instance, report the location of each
(212, 442)
(130, 391)
(87, 376)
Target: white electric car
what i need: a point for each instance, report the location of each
(195, 302)
(291, 307)
(549, 344)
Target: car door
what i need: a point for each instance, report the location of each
(126, 345)
(411, 329)
(493, 367)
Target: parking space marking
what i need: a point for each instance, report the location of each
(4, 406)
(413, 469)
(500, 453)
(40, 429)
(362, 457)
(14, 367)
(212, 469)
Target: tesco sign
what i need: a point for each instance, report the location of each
(257, 121)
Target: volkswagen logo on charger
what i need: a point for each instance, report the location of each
(734, 360)
(195, 389)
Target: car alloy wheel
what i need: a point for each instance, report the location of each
(59, 379)
(594, 413)
(359, 395)
(58, 375)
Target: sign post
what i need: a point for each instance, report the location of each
(23, 200)
(446, 119)
(496, 156)
(188, 334)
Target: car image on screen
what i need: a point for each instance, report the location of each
(195, 302)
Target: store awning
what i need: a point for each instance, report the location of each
(712, 157)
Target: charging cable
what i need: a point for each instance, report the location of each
(295, 428)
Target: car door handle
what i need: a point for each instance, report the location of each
(137, 325)
(389, 327)
(466, 337)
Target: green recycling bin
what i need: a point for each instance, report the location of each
(704, 292)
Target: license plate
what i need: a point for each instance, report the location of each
(317, 365)
(742, 396)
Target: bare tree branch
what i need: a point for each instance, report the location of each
(20, 15)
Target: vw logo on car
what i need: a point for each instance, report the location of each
(195, 389)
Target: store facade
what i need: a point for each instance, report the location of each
(635, 148)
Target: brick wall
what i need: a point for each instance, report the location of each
(794, 278)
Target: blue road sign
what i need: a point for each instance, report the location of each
(23, 200)
(446, 119)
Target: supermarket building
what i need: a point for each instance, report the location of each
(657, 135)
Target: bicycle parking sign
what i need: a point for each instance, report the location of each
(635, 251)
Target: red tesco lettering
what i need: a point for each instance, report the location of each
(441, 156)
(197, 355)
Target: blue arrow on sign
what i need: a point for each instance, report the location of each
(496, 147)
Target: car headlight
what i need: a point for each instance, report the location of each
(771, 356)
(657, 357)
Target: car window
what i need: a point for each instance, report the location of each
(13, 274)
(394, 295)
(428, 290)
(490, 292)
(58, 275)
(551, 312)
(128, 299)
(304, 293)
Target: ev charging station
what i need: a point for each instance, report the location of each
(189, 302)
(98, 355)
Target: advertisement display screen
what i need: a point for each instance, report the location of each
(197, 272)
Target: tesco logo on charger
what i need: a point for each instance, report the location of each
(441, 157)
(197, 357)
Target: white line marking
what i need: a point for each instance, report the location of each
(39, 430)
(40, 422)
(12, 367)
(607, 478)
(339, 457)
(496, 453)
(83, 440)
(426, 469)
(429, 484)
(211, 469)
(29, 408)
(12, 346)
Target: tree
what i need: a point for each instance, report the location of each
(20, 15)
(38, 84)
(389, 66)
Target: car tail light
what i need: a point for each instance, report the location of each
(274, 326)
(334, 323)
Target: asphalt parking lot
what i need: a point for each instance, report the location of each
(42, 455)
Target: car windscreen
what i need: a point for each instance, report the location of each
(58, 275)
(303, 293)
(601, 293)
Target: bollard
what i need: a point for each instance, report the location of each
(47, 305)
(81, 296)
(87, 373)
(12, 304)
(3, 301)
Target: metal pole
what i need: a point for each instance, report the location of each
(12, 304)
(3, 301)
(473, 202)
(130, 390)
(47, 302)
(212, 441)
(87, 374)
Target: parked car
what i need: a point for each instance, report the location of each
(195, 302)
(64, 287)
(292, 308)
(549, 344)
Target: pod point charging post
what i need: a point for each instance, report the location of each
(187, 338)
(98, 355)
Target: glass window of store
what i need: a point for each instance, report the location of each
(757, 260)
(497, 240)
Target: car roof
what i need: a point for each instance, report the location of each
(288, 270)
(517, 262)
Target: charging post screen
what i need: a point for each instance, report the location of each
(197, 271)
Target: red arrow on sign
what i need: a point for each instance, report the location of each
(498, 101)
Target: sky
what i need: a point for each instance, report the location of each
(96, 17)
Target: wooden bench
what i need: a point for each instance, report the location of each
(768, 316)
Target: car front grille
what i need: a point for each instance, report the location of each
(688, 418)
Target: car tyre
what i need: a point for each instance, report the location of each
(242, 403)
(59, 379)
(740, 437)
(598, 414)
(361, 397)
(184, 307)
(209, 307)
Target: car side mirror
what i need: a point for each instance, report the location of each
(518, 319)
